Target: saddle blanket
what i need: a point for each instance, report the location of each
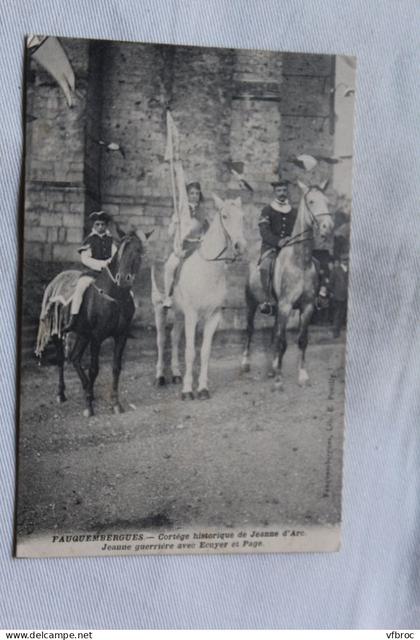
(55, 307)
(60, 290)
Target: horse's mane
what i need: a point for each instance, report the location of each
(132, 232)
(120, 236)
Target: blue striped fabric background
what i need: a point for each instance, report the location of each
(374, 581)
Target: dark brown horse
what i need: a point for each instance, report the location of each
(106, 311)
(295, 281)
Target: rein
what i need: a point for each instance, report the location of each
(294, 239)
(114, 282)
(313, 216)
(109, 272)
(105, 295)
(114, 279)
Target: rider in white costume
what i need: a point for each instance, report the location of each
(187, 233)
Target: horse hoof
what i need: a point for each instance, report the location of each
(278, 385)
(246, 368)
(187, 395)
(303, 379)
(160, 381)
(176, 379)
(88, 412)
(117, 409)
(203, 394)
(61, 398)
(271, 374)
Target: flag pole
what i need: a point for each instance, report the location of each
(169, 129)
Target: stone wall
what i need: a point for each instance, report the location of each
(136, 186)
(257, 107)
(55, 188)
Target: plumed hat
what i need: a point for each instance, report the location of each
(281, 182)
(193, 185)
(99, 216)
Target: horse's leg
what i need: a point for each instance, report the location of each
(283, 314)
(209, 329)
(190, 327)
(251, 307)
(160, 317)
(59, 347)
(76, 355)
(305, 318)
(93, 374)
(273, 341)
(119, 345)
(175, 338)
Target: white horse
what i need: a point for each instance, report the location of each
(199, 294)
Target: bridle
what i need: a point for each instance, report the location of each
(313, 215)
(119, 253)
(116, 280)
(297, 238)
(228, 244)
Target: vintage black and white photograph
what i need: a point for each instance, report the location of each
(185, 270)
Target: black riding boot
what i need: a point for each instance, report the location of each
(266, 307)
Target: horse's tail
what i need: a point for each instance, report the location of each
(50, 321)
(49, 325)
(55, 308)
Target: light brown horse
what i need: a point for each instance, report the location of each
(295, 281)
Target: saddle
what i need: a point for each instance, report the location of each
(269, 254)
(55, 308)
(266, 265)
(192, 248)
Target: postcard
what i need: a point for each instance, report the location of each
(185, 270)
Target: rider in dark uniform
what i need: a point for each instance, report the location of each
(276, 224)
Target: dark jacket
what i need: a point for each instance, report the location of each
(275, 226)
(100, 246)
(339, 282)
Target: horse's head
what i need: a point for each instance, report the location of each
(316, 208)
(127, 261)
(231, 218)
